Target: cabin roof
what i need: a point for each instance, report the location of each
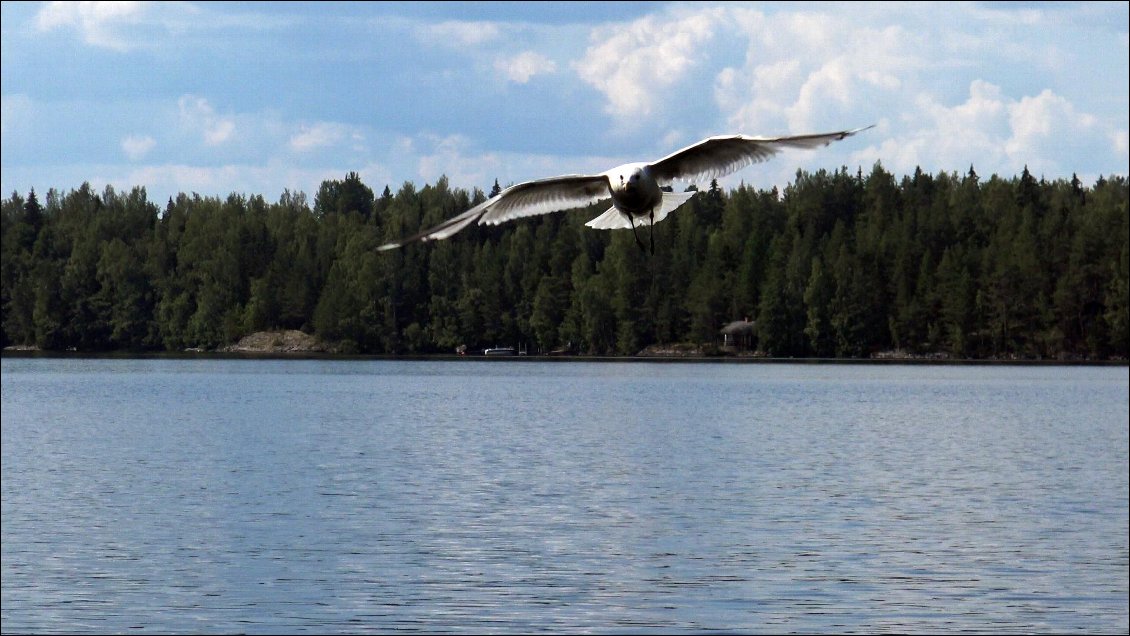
(739, 328)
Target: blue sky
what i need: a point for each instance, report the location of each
(256, 98)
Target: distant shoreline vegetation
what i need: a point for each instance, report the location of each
(837, 266)
(22, 353)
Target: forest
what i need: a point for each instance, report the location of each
(839, 264)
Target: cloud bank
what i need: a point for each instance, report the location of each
(274, 97)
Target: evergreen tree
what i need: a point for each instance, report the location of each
(838, 264)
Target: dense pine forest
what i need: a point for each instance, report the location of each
(839, 264)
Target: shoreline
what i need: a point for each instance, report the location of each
(441, 357)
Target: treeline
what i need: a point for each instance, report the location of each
(839, 264)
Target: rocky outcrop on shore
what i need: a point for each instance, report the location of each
(285, 341)
(675, 350)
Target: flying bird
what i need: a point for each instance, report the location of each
(636, 189)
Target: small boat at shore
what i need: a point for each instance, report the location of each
(500, 351)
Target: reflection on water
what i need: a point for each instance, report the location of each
(520, 496)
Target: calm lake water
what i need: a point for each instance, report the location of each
(520, 496)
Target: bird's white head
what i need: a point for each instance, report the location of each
(628, 177)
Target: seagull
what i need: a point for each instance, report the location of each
(636, 189)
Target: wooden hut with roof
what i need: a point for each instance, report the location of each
(740, 335)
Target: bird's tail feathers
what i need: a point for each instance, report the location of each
(613, 219)
(671, 201)
(610, 220)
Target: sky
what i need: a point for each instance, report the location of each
(262, 98)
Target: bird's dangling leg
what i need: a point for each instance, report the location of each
(632, 222)
(651, 231)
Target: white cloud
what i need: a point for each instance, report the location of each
(136, 147)
(801, 69)
(1119, 142)
(318, 135)
(198, 116)
(164, 181)
(205, 180)
(269, 179)
(450, 156)
(827, 85)
(458, 33)
(634, 64)
(468, 167)
(219, 132)
(804, 70)
(16, 111)
(521, 68)
(817, 34)
(1043, 127)
(128, 25)
(1041, 116)
(98, 23)
(935, 136)
(993, 133)
(948, 85)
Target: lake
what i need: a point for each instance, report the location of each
(524, 496)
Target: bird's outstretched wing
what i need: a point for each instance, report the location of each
(715, 157)
(443, 230)
(544, 196)
(525, 199)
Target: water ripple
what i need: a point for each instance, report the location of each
(480, 497)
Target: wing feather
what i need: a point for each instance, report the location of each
(441, 231)
(544, 196)
(525, 199)
(716, 157)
